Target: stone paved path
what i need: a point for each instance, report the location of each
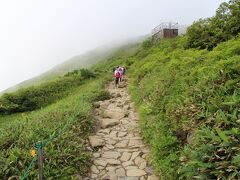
(119, 152)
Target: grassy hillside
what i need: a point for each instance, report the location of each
(189, 99)
(186, 91)
(63, 126)
(188, 103)
(54, 111)
(189, 107)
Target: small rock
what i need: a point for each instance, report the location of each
(120, 172)
(89, 148)
(113, 161)
(109, 146)
(125, 156)
(100, 162)
(95, 141)
(113, 134)
(96, 155)
(143, 165)
(105, 177)
(111, 142)
(122, 134)
(105, 123)
(102, 174)
(113, 114)
(136, 172)
(111, 168)
(135, 154)
(131, 167)
(145, 150)
(138, 161)
(104, 131)
(125, 121)
(100, 167)
(122, 144)
(105, 148)
(112, 175)
(128, 178)
(104, 104)
(94, 176)
(152, 177)
(127, 163)
(111, 154)
(94, 169)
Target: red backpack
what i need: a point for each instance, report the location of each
(117, 74)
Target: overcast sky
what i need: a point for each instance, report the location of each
(36, 35)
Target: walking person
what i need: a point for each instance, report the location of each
(117, 76)
(120, 69)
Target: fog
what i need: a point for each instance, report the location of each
(36, 35)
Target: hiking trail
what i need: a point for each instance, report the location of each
(119, 152)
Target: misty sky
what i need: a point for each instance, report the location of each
(36, 35)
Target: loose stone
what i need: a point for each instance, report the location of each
(111, 154)
(125, 156)
(94, 169)
(127, 163)
(113, 161)
(120, 172)
(136, 172)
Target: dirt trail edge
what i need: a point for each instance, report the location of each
(119, 151)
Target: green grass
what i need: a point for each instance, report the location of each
(65, 156)
(185, 92)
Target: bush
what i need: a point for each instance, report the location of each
(33, 98)
(147, 44)
(208, 33)
(84, 73)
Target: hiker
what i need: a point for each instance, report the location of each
(120, 69)
(123, 72)
(117, 76)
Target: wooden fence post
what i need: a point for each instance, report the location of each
(40, 161)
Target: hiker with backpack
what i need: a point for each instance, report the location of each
(120, 69)
(117, 76)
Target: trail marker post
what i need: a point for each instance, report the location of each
(40, 160)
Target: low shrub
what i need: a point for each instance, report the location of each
(36, 97)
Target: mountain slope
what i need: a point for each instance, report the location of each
(62, 116)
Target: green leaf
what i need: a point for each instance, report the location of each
(234, 131)
(222, 135)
